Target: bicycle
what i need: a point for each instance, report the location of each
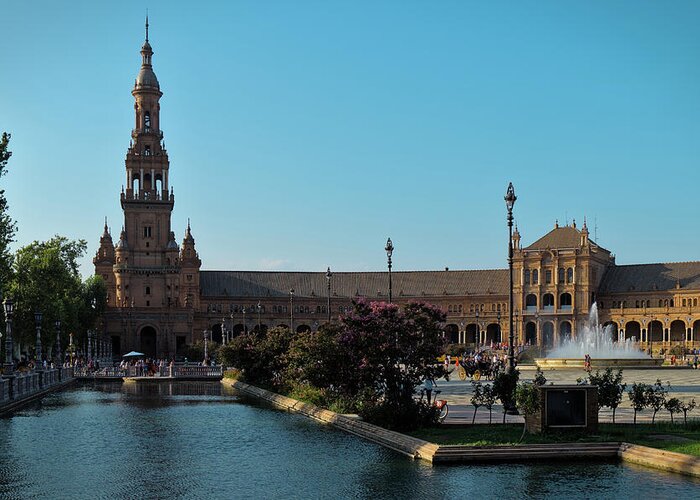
(440, 404)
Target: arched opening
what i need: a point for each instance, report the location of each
(633, 331)
(452, 334)
(159, 184)
(531, 333)
(216, 335)
(569, 275)
(303, 329)
(656, 331)
(548, 302)
(148, 341)
(564, 331)
(677, 331)
(493, 333)
(116, 346)
(696, 331)
(531, 302)
(610, 330)
(282, 325)
(471, 334)
(238, 329)
(260, 329)
(147, 120)
(548, 334)
(565, 301)
(136, 183)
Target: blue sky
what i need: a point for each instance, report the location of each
(302, 134)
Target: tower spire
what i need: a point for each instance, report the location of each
(146, 24)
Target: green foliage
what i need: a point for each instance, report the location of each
(7, 226)
(687, 407)
(527, 400)
(656, 397)
(477, 398)
(46, 279)
(232, 374)
(539, 379)
(455, 349)
(673, 405)
(610, 388)
(504, 385)
(639, 398)
(677, 350)
(399, 415)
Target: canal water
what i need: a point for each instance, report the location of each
(199, 440)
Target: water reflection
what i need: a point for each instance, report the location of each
(198, 440)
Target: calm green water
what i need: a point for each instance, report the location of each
(198, 440)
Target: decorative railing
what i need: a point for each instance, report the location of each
(23, 384)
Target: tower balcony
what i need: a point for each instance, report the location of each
(151, 131)
(147, 195)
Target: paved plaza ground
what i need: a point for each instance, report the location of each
(685, 384)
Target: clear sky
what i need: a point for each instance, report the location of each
(302, 134)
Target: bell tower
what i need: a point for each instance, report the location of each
(152, 284)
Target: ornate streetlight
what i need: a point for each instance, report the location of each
(245, 324)
(510, 202)
(37, 322)
(291, 309)
(233, 325)
(498, 318)
(329, 275)
(59, 354)
(389, 250)
(478, 330)
(9, 310)
(259, 307)
(223, 331)
(206, 346)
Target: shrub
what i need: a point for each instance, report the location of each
(610, 388)
(656, 397)
(686, 407)
(504, 385)
(639, 398)
(400, 417)
(527, 399)
(673, 405)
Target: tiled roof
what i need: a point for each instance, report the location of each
(651, 277)
(366, 284)
(560, 237)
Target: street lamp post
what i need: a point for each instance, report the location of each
(389, 250)
(245, 324)
(478, 330)
(259, 323)
(206, 346)
(329, 275)
(9, 310)
(59, 354)
(223, 331)
(233, 325)
(500, 333)
(510, 201)
(37, 322)
(89, 345)
(291, 309)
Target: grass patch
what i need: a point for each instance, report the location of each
(679, 438)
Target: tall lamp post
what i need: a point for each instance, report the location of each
(291, 309)
(500, 332)
(389, 250)
(223, 331)
(245, 324)
(59, 354)
(37, 322)
(9, 310)
(478, 330)
(206, 347)
(510, 201)
(329, 275)
(259, 323)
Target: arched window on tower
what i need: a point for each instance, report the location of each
(147, 120)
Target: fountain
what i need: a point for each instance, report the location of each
(597, 341)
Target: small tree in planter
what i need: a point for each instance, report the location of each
(489, 400)
(477, 398)
(638, 398)
(686, 407)
(673, 405)
(527, 399)
(539, 379)
(656, 397)
(504, 385)
(610, 388)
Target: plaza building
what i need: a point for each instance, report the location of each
(160, 300)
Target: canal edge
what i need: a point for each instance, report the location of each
(16, 404)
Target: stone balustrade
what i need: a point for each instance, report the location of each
(22, 385)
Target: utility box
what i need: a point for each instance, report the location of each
(566, 407)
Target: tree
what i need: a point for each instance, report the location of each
(527, 399)
(673, 405)
(7, 225)
(477, 398)
(639, 398)
(610, 388)
(504, 385)
(686, 407)
(46, 279)
(489, 400)
(656, 397)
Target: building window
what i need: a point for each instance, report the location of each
(535, 276)
(527, 276)
(548, 276)
(147, 151)
(560, 275)
(147, 120)
(148, 290)
(146, 231)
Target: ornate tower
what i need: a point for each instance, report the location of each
(144, 272)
